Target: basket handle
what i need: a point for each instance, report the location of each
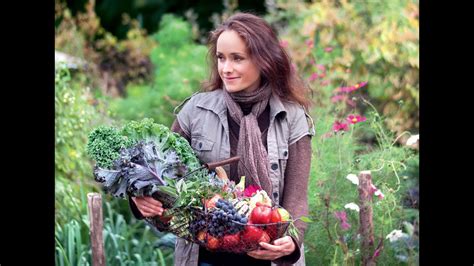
(213, 165)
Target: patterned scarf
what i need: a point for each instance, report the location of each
(253, 155)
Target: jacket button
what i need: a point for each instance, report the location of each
(275, 195)
(285, 153)
(200, 145)
(274, 166)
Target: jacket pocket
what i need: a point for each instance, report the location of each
(203, 148)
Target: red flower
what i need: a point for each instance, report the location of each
(250, 190)
(338, 126)
(309, 43)
(354, 119)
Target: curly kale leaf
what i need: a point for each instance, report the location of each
(104, 144)
(140, 170)
(164, 139)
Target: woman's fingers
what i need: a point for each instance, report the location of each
(152, 209)
(264, 254)
(271, 247)
(148, 206)
(153, 201)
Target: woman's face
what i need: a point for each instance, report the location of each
(234, 64)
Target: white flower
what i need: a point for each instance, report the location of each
(413, 139)
(353, 178)
(395, 235)
(379, 194)
(352, 206)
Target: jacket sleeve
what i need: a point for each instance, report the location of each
(295, 193)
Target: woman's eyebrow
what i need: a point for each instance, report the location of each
(233, 54)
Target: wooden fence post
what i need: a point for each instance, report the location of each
(365, 218)
(94, 203)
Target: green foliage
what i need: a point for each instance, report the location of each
(179, 68)
(73, 118)
(335, 156)
(374, 41)
(125, 243)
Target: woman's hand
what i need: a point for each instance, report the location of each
(281, 247)
(148, 206)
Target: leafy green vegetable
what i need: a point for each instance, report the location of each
(143, 159)
(104, 145)
(163, 137)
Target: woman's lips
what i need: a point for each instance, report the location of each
(230, 78)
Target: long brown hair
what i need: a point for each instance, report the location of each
(265, 51)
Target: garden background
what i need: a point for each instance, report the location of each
(136, 59)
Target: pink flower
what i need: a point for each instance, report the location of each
(376, 253)
(360, 85)
(284, 43)
(375, 191)
(328, 49)
(357, 86)
(351, 88)
(343, 89)
(321, 67)
(373, 188)
(354, 119)
(251, 190)
(338, 98)
(338, 126)
(351, 102)
(342, 216)
(309, 43)
(313, 77)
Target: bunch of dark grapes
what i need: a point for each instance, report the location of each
(225, 219)
(198, 224)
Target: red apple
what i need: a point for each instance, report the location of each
(275, 216)
(252, 234)
(260, 214)
(231, 241)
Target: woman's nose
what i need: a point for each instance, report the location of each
(227, 67)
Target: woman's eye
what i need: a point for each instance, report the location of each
(238, 59)
(220, 57)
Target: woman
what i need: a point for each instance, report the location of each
(253, 107)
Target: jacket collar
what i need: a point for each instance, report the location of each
(215, 102)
